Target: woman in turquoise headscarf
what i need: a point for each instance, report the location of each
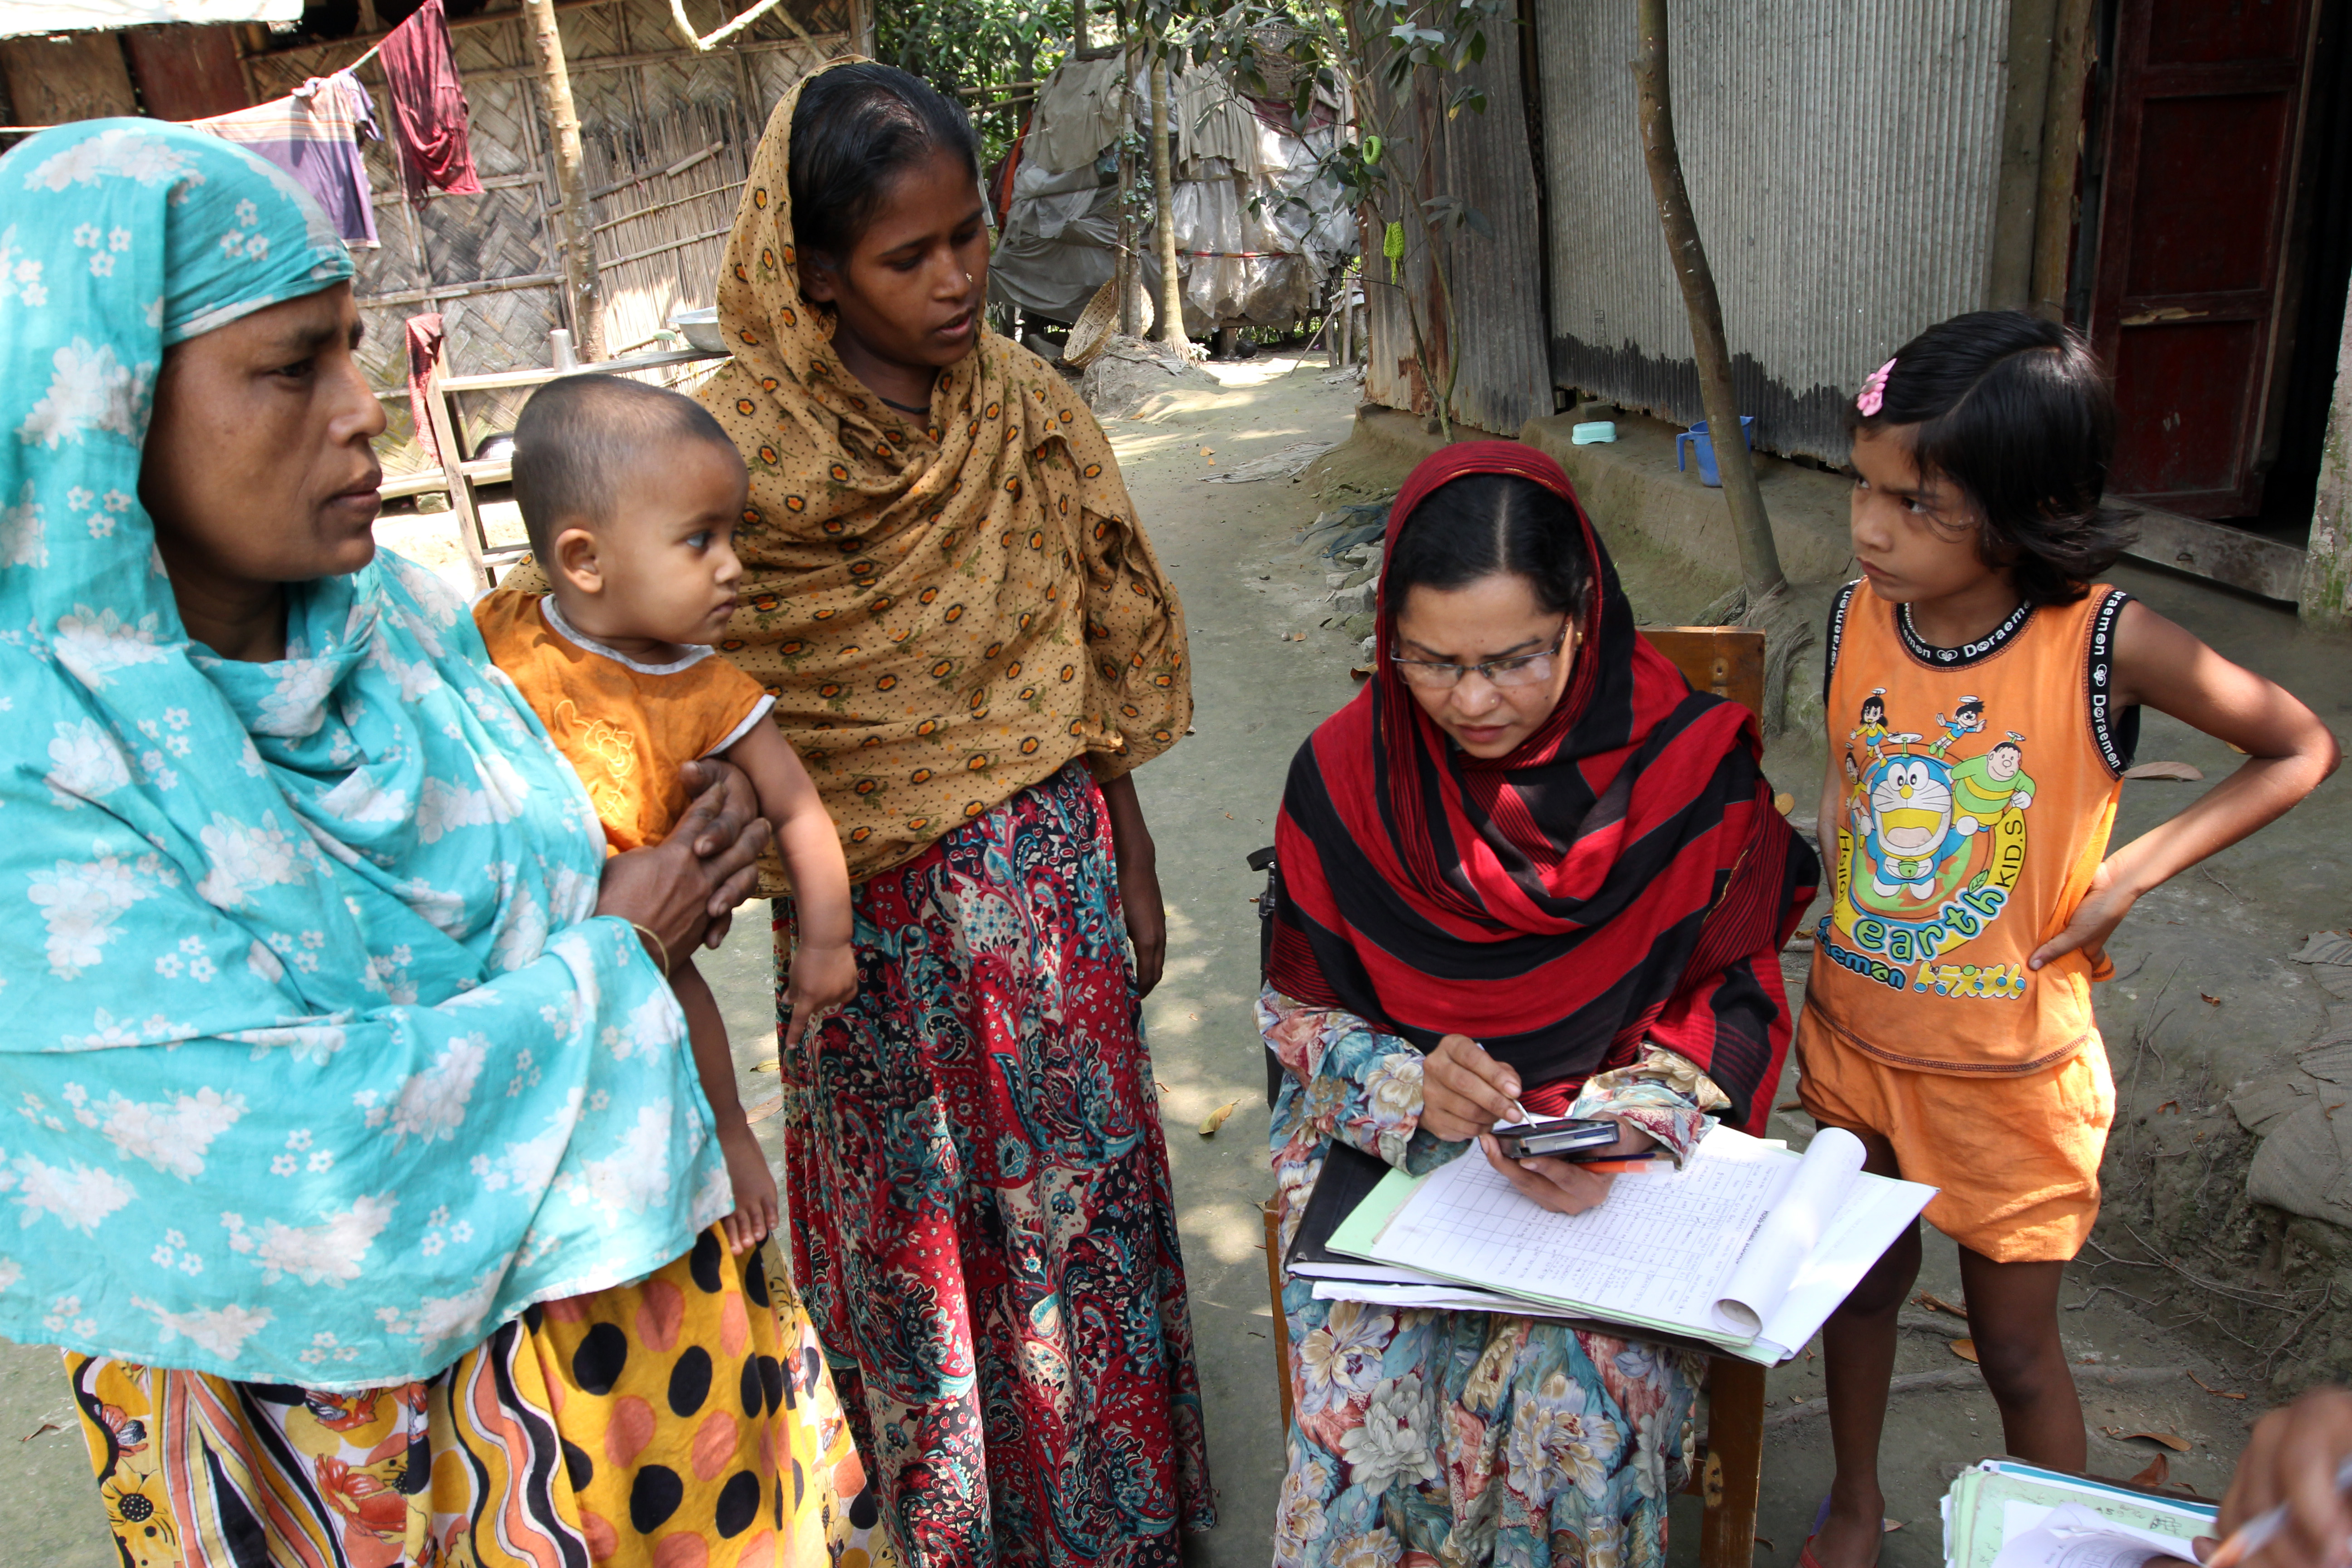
(359, 1168)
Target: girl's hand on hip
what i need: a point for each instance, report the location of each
(1464, 1092)
(2103, 909)
(672, 889)
(1556, 1185)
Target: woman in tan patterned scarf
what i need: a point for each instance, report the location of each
(971, 645)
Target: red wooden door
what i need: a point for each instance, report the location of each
(2204, 117)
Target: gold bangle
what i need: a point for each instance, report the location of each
(661, 951)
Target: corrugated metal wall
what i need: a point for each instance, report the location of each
(1484, 159)
(1843, 162)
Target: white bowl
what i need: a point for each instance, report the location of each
(701, 329)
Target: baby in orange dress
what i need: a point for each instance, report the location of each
(631, 495)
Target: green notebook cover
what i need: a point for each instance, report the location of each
(1974, 1530)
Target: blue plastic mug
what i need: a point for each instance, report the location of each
(1696, 439)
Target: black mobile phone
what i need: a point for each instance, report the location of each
(1554, 1135)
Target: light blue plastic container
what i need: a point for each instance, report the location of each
(1593, 431)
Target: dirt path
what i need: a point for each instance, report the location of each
(1248, 587)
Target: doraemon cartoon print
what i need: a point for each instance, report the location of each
(1929, 848)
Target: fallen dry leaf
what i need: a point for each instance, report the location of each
(769, 1065)
(1360, 672)
(2171, 1105)
(1891, 1526)
(765, 1108)
(2216, 1393)
(1792, 1105)
(2183, 773)
(1216, 1118)
(1940, 1305)
(1965, 1349)
(2172, 1440)
(2158, 1471)
(1159, 1086)
(1784, 803)
(43, 1426)
(2209, 1001)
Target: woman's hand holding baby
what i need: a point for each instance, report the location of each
(678, 889)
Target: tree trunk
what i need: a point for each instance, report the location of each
(1131, 323)
(1163, 184)
(1760, 558)
(570, 185)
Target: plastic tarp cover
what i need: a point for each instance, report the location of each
(1265, 267)
(1077, 115)
(23, 18)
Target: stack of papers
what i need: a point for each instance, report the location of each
(1348, 1177)
(2004, 1514)
(1746, 1249)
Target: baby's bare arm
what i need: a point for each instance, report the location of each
(805, 834)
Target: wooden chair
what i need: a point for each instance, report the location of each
(1728, 1472)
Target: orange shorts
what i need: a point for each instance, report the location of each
(2017, 1159)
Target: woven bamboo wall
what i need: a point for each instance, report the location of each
(668, 134)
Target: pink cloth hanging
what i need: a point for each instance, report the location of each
(429, 105)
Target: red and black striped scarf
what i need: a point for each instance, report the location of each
(1550, 903)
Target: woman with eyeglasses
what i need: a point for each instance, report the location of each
(1527, 872)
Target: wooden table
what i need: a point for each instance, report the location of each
(458, 479)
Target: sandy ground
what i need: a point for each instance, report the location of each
(1247, 585)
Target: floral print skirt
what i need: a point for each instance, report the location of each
(685, 1421)
(981, 1209)
(1472, 1437)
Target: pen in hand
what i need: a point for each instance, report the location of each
(2258, 1532)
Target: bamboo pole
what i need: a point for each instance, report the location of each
(1759, 557)
(1163, 190)
(1130, 322)
(572, 185)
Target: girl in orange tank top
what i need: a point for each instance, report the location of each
(1983, 694)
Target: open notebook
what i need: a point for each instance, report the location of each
(1748, 1248)
(2003, 1513)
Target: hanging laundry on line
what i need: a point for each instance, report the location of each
(429, 113)
(313, 133)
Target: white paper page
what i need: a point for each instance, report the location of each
(2075, 1537)
(1875, 1212)
(1445, 1297)
(1759, 1282)
(1658, 1248)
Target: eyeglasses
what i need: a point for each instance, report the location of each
(1520, 669)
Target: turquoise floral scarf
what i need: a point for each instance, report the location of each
(321, 1067)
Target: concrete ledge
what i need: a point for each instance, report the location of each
(1631, 487)
(1631, 483)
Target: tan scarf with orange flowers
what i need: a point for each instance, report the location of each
(947, 612)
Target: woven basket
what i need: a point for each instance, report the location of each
(1094, 326)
